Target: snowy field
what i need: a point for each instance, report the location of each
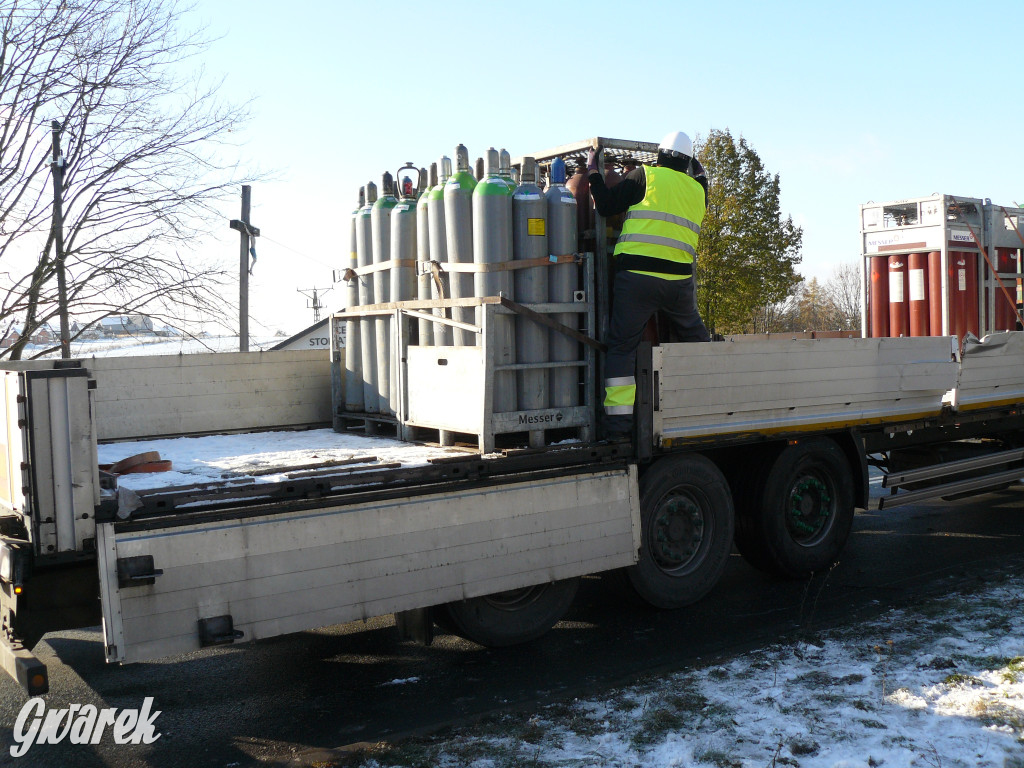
(134, 346)
(941, 686)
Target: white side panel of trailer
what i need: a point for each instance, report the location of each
(179, 394)
(153, 395)
(300, 570)
(775, 385)
(992, 371)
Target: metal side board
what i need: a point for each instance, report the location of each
(170, 590)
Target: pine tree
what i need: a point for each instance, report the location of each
(747, 253)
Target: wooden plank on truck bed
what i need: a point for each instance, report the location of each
(778, 385)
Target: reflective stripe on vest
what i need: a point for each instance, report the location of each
(619, 395)
(665, 225)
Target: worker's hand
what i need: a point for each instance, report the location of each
(591, 162)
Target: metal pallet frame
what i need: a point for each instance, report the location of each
(489, 424)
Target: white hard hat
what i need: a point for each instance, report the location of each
(676, 143)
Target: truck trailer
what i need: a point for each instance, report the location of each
(447, 512)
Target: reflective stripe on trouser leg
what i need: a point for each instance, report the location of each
(619, 395)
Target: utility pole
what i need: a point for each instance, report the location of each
(57, 172)
(247, 240)
(314, 300)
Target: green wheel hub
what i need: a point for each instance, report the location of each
(810, 510)
(678, 533)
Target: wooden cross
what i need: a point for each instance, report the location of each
(248, 234)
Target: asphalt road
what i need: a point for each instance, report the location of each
(292, 699)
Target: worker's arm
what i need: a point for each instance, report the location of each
(618, 199)
(699, 175)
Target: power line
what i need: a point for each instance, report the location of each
(298, 253)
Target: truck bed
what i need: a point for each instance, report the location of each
(262, 542)
(266, 457)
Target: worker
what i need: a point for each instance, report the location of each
(664, 205)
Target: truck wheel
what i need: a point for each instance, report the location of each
(512, 617)
(800, 519)
(686, 519)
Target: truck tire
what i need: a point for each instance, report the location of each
(512, 617)
(798, 518)
(686, 520)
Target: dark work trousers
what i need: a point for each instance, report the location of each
(637, 297)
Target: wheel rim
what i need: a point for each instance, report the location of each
(682, 531)
(515, 599)
(812, 508)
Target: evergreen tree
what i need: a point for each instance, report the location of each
(747, 253)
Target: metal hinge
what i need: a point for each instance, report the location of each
(136, 571)
(218, 630)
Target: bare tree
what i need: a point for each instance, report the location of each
(811, 306)
(843, 294)
(141, 135)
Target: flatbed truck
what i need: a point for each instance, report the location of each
(759, 443)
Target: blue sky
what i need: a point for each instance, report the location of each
(848, 103)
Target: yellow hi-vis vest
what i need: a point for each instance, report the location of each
(662, 229)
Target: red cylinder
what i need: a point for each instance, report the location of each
(1005, 318)
(612, 223)
(579, 185)
(878, 297)
(957, 293)
(899, 306)
(935, 293)
(917, 293)
(973, 316)
(963, 293)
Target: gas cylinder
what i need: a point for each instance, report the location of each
(367, 343)
(381, 228)
(878, 297)
(479, 168)
(404, 237)
(492, 243)
(917, 293)
(439, 246)
(1005, 318)
(530, 241)
(353, 355)
(579, 185)
(458, 212)
(425, 329)
(505, 169)
(963, 293)
(562, 283)
(899, 312)
(973, 308)
(612, 178)
(935, 293)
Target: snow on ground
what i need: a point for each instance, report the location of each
(941, 685)
(219, 457)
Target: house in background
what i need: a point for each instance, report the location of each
(44, 334)
(126, 325)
